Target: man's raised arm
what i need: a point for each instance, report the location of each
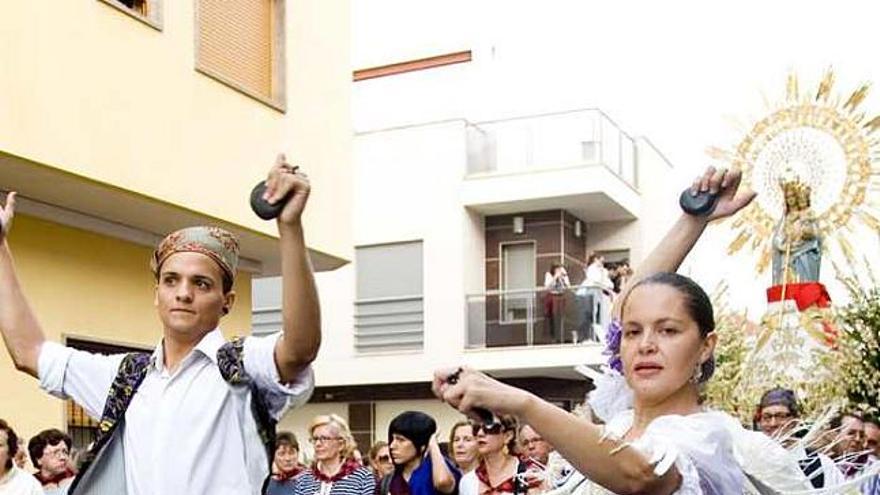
(21, 332)
(301, 312)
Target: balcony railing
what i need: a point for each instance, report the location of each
(551, 141)
(533, 317)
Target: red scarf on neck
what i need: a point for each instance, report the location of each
(348, 467)
(506, 486)
(54, 480)
(289, 475)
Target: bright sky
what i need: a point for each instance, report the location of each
(681, 73)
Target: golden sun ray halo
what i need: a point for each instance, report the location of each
(830, 144)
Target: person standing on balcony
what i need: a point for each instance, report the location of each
(599, 288)
(556, 284)
(197, 415)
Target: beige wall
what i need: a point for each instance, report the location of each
(85, 285)
(104, 96)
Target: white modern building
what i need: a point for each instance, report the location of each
(460, 207)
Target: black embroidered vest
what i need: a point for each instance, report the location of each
(132, 371)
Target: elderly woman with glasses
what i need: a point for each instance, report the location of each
(499, 469)
(335, 471)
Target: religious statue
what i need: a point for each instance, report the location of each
(797, 245)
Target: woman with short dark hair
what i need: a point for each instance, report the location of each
(50, 454)
(286, 468)
(419, 466)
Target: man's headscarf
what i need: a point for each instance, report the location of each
(218, 244)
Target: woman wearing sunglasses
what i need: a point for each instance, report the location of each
(662, 344)
(380, 460)
(335, 471)
(463, 444)
(499, 470)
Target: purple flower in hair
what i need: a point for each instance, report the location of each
(612, 345)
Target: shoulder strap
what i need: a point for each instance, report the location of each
(230, 359)
(519, 485)
(129, 377)
(385, 487)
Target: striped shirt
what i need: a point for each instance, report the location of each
(359, 482)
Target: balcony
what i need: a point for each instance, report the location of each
(535, 317)
(579, 160)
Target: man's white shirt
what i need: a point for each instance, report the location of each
(187, 431)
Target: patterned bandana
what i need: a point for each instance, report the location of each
(514, 484)
(218, 244)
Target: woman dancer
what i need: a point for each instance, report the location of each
(662, 342)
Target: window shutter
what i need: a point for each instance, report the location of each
(235, 39)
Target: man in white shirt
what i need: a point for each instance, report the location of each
(191, 425)
(598, 287)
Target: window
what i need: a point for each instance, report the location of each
(360, 420)
(241, 44)
(389, 312)
(517, 281)
(83, 430)
(148, 11)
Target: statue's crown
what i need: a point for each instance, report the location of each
(795, 193)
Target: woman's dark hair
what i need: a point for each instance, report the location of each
(509, 423)
(415, 426)
(837, 421)
(554, 267)
(44, 439)
(697, 304)
(11, 442)
(286, 438)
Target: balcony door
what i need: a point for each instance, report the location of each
(517, 281)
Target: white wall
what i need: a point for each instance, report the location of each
(407, 188)
(688, 74)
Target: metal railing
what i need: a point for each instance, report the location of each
(550, 141)
(532, 317)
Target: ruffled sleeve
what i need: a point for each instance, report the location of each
(698, 445)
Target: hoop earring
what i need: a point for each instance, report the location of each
(698, 374)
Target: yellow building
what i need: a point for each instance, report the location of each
(125, 119)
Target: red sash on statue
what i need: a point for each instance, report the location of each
(804, 294)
